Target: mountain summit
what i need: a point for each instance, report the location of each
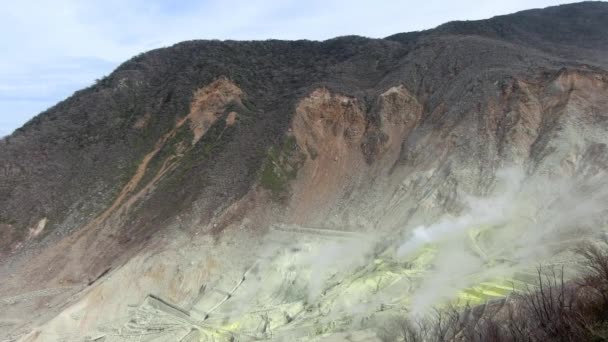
(262, 189)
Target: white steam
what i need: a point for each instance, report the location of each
(519, 225)
(526, 220)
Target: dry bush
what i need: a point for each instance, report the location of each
(404, 329)
(552, 309)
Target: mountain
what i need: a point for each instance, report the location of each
(144, 202)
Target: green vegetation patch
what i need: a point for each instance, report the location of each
(6, 220)
(281, 166)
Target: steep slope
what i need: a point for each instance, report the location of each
(172, 173)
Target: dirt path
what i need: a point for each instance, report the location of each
(231, 292)
(35, 294)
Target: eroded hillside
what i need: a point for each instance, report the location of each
(305, 190)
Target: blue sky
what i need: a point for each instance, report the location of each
(52, 48)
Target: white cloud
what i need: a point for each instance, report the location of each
(54, 47)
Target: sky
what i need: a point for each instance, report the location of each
(51, 48)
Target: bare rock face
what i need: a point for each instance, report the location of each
(209, 103)
(329, 128)
(171, 173)
(346, 150)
